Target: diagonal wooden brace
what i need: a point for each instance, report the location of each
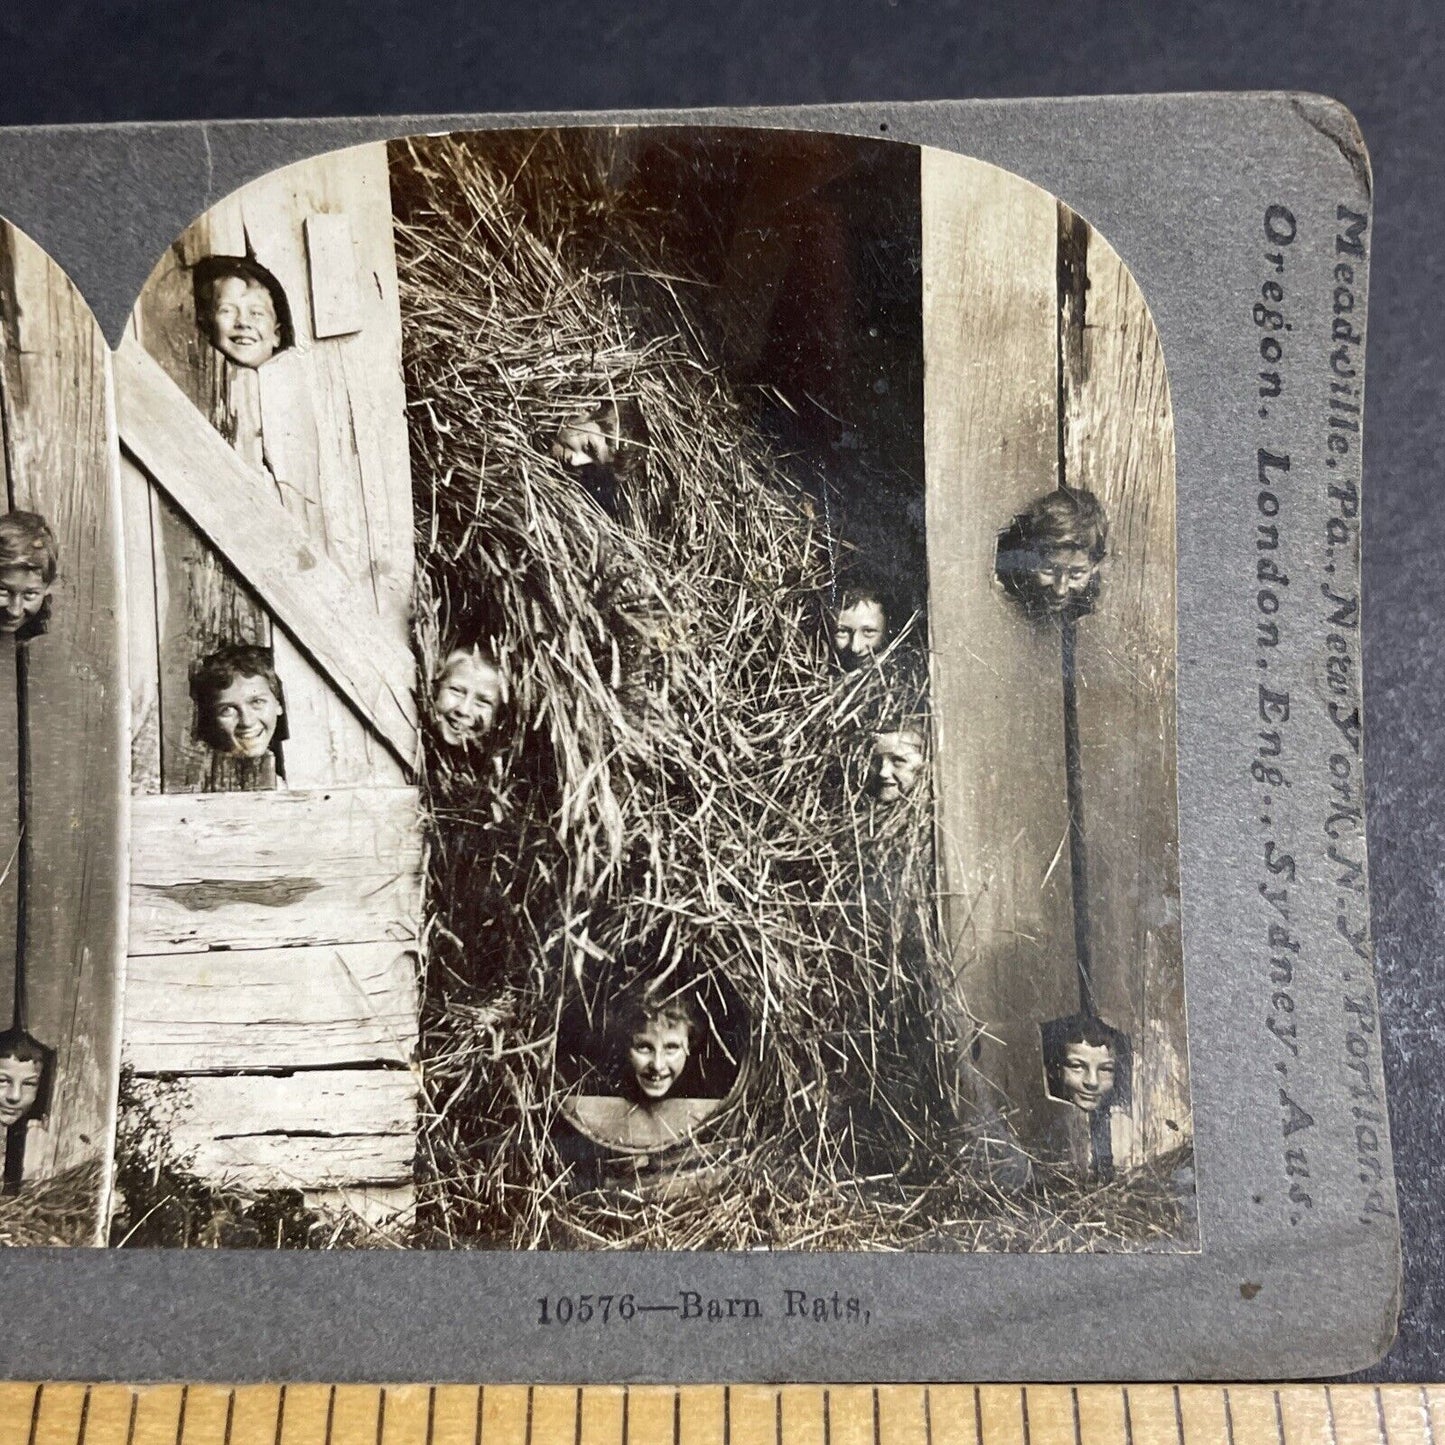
(234, 507)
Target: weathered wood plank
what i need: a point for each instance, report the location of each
(241, 871)
(314, 1129)
(61, 461)
(271, 1008)
(142, 629)
(990, 383)
(1119, 444)
(229, 504)
(336, 308)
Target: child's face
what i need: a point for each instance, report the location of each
(582, 441)
(1063, 576)
(1088, 1075)
(858, 633)
(22, 595)
(467, 700)
(896, 763)
(243, 322)
(246, 714)
(19, 1088)
(656, 1055)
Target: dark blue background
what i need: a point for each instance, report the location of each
(72, 61)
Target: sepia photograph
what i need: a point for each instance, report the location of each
(651, 664)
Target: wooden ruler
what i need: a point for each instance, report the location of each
(64, 1414)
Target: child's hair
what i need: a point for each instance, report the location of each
(858, 592)
(640, 1008)
(1059, 1035)
(214, 674)
(27, 541)
(210, 271)
(25, 1048)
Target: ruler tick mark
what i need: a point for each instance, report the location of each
(330, 1414)
(381, 1415)
(927, 1417)
(676, 1416)
(1178, 1416)
(230, 1416)
(84, 1417)
(827, 1417)
(1228, 1417)
(877, 1432)
(1074, 1398)
(1380, 1417)
(431, 1413)
(477, 1428)
(626, 1414)
(35, 1412)
(531, 1396)
(978, 1414)
(1024, 1412)
(577, 1419)
(280, 1416)
(1278, 1418)
(181, 1414)
(130, 1426)
(1330, 1416)
(1129, 1419)
(778, 1417)
(727, 1415)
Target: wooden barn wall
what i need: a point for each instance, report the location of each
(272, 1003)
(60, 461)
(1023, 377)
(991, 446)
(1118, 433)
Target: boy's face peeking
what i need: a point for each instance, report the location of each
(1088, 1075)
(582, 441)
(245, 715)
(1063, 575)
(656, 1054)
(895, 765)
(243, 322)
(19, 1088)
(467, 699)
(858, 633)
(22, 595)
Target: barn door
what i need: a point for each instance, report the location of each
(1058, 817)
(275, 901)
(62, 703)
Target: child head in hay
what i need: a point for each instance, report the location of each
(859, 625)
(603, 446)
(468, 695)
(655, 1038)
(1086, 1064)
(241, 309)
(28, 568)
(896, 763)
(240, 704)
(26, 1071)
(1050, 557)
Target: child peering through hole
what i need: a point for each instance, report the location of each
(469, 694)
(896, 763)
(240, 705)
(1050, 557)
(241, 309)
(26, 1070)
(29, 565)
(860, 626)
(1087, 1066)
(603, 445)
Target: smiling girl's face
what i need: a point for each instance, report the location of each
(19, 1088)
(656, 1055)
(246, 714)
(244, 326)
(1088, 1075)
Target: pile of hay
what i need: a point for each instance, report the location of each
(675, 789)
(64, 1209)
